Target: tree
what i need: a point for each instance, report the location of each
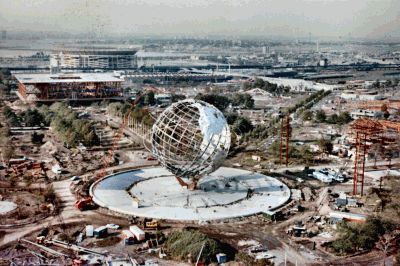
(125, 108)
(231, 118)
(320, 116)
(305, 155)
(388, 83)
(243, 99)
(248, 101)
(48, 115)
(259, 83)
(219, 101)
(177, 97)
(355, 237)
(242, 125)
(58, 107)
(274, 149)
(37, 138)
(90, 139)
(149, 98)
(7, 152)
(344, 118)
(49, 195)
(386, 243)
(114, 108)
(259, 132)
(70, 138)
(325, 145)
(32, 117)
(307, 115)
(333, 119)
(14, 121)
(12, 118)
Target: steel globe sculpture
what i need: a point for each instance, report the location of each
(191, 138)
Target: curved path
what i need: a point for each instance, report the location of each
(68, 213)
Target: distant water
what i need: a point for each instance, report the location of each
(15, 53)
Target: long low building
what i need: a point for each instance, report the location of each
(94, 57)
(72, 86)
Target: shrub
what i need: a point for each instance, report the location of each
(181, 244)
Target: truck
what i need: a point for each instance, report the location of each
(100, 232)
(89, 230)
(137, 232)
(128, 237)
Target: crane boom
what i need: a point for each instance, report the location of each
(116, 139)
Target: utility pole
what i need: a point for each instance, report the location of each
(201, 251)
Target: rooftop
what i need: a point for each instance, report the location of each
(66, 77)
(97, 50)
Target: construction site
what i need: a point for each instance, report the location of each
(198, 175)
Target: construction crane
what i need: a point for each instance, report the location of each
(107, 159)
(83, 203)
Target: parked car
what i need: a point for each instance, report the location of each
(113, 226)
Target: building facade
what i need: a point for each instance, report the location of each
(74, 86)
(94, 59)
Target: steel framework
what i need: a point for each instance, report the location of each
(367, 132)
(191, 138)
(70, 90)
(110, 155)
(377, 104)
(285, 134)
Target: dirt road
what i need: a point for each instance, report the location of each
(68, 213)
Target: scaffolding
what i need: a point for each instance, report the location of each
(367, 132)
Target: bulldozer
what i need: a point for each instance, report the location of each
(147, 224)
(151, 225)
(84, 203)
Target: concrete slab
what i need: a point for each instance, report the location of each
(221, 195)
(7, 206)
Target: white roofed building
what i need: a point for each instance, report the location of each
(41, 87)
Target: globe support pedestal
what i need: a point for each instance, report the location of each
(191, 186)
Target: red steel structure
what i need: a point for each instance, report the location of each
(367, 132)
(108, 158)
(42, 87)
(285, 134)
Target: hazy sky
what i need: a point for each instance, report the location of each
(289, 18)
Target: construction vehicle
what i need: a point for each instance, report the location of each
(87, 202)
(107, 159)
(84, 203)
(41, 237)
(78, 262)
(150, 224)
